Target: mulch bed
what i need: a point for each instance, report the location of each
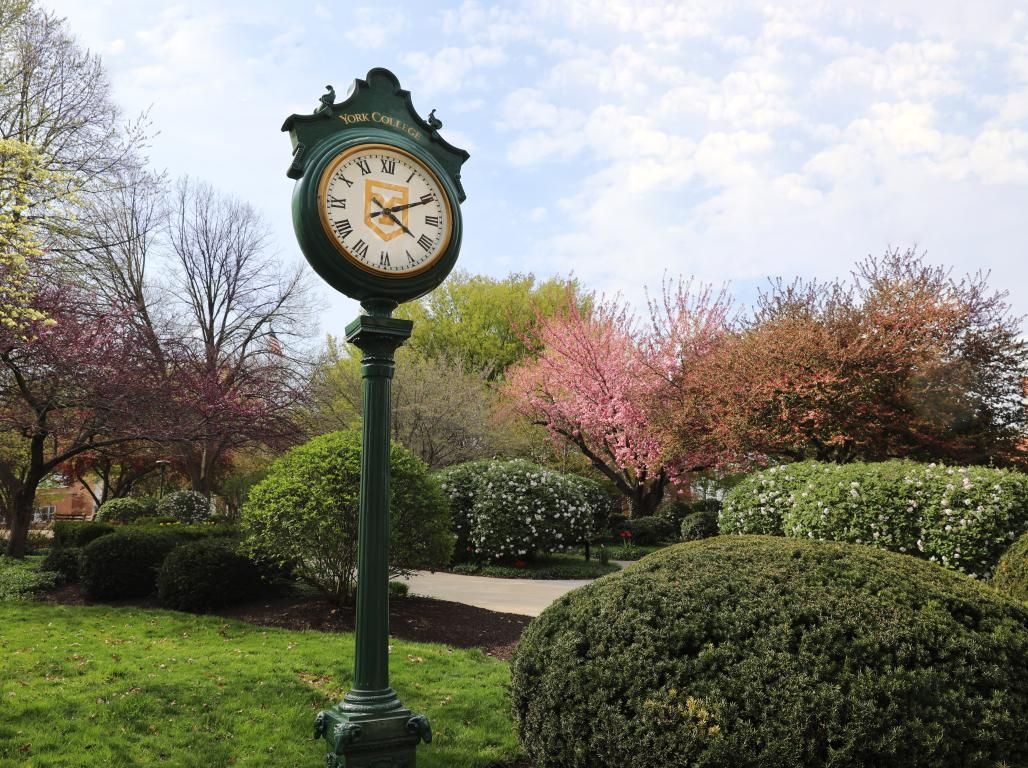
(422, 619)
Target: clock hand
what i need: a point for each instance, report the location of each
(399, 207)
(389, 212)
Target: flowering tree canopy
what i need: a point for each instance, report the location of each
(71, 383)
(601, 382)
(901, 361)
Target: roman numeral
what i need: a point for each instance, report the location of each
(411, 176)
(364, 166)
(336, 202)
(432, 221)
(427, 198)
(342, 228)
(344, 179)
(361, 249)
(388, 166)
(383, 259)
(411, 261)
(425, 242)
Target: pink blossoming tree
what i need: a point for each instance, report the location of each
(603, 381)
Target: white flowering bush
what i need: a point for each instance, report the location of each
(963, 518)
(185, 506)
(758, 504)
(506, 510)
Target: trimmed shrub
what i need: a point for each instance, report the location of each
(699, 525)
(123, 564)
(74, 534)
(647, 531)
(303, 515)
(185, 532)
(744, 652)
(203, 575)
(1011, 575)
(63, 561)
(125, 510)
(677, 510)
(510, 509)
(399, 589)
(155, 519)
(674, 511)
(185, 506)
(960, 517)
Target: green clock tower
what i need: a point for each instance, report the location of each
(376, 210)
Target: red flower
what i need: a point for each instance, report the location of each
(626, 534)
(520, 563)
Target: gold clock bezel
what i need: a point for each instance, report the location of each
(327, 226)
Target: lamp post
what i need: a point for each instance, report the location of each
(163, 465)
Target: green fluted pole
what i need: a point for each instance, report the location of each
(370, 727)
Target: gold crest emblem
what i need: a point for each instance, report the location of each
(380, 196)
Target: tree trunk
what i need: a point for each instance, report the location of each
(23, 501)
(647, 497)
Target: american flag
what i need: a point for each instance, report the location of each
(274, 345)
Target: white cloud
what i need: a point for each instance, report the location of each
(453, 69)
(922, 70)
(622, 138)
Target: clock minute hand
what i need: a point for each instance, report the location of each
(396, 208)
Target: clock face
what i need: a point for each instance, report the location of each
(384, 210)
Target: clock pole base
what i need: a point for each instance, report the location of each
(371, 740)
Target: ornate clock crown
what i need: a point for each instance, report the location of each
(377, 102)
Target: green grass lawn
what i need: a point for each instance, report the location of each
(103, 687)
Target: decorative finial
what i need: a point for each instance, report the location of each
(434, 121)
(327, 100)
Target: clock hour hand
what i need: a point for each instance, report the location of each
(389, 212)
(396, 208)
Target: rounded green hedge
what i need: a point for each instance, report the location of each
(206, 574)
(125, 510)
(699, 525)
(1011, 575)
(63, 561)
(503, 510)
(303, 515)
(963, 518)
(677, 510)
(74, 534)
(123, 564)
(747, 652)
(188, 531)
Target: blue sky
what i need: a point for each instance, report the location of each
(622, 141)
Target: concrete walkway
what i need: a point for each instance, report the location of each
(525, 596)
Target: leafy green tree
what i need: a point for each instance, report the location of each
(467, 333)
(482, 323)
